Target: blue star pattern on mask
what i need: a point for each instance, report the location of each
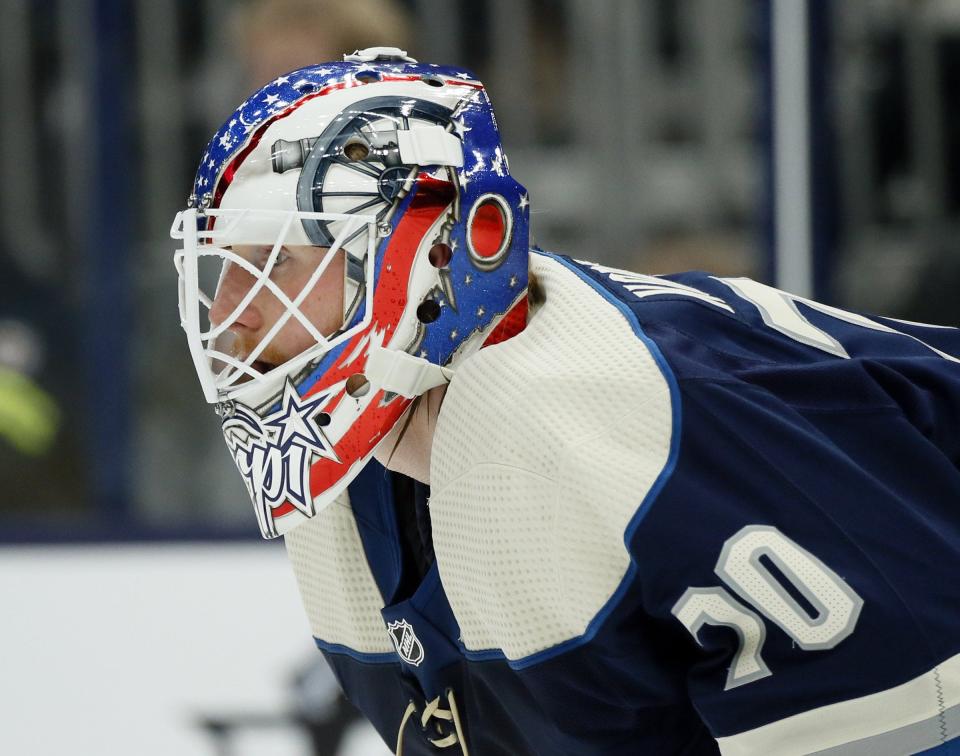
(284, 91)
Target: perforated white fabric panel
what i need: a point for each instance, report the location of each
(337, 588)
(545, 446)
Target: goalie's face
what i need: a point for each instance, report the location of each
(292, 270)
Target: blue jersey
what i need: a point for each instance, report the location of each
(676, 515)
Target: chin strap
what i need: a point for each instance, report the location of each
(402, 373)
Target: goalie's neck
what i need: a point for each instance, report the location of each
(407, 447)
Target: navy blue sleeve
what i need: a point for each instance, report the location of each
(928, 395)
(870, 491)
(804, 542)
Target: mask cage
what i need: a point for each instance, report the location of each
(207, 237)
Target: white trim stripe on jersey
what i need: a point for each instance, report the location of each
(917, 715)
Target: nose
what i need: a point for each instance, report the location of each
(234, 285)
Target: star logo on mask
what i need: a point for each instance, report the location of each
(275, 453)
(298, 422)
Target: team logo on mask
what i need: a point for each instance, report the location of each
(406, 642)
(274, 453)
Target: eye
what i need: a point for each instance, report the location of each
(262, 257)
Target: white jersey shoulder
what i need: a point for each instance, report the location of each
(336, 585)
(545, 447)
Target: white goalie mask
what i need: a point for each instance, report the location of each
(353, 233)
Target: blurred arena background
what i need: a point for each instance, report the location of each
(811, 144)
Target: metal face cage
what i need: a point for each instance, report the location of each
(209, 238)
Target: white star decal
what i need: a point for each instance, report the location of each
(276, 453)
(463, 75)
(281, 80)
(210, 164)
(513, 281)
(296, 422)
(497, 164)
(324, 71)
(468, 279)
(271, 98)
(453, 334)
(480, 311)
(226, 141)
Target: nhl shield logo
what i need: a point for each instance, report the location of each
(406, 642)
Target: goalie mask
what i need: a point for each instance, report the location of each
(353, 233)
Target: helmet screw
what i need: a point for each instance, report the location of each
(384, 229)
